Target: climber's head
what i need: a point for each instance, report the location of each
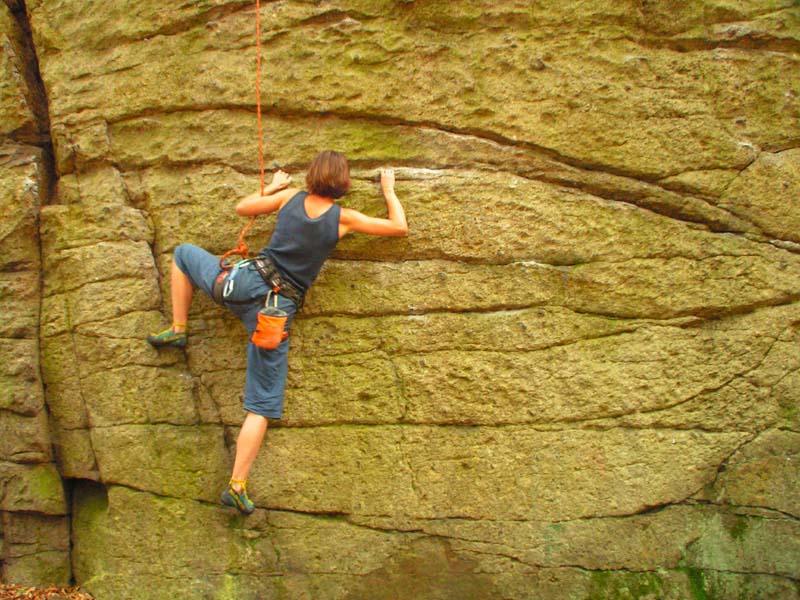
(328, 175)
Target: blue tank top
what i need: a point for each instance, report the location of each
(299, 244)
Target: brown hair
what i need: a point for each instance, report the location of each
(328, 175)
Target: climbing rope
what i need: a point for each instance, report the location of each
(241, 249)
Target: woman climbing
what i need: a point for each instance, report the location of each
(307, 229)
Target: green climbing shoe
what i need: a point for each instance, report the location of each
(231, 497)
(168, 337)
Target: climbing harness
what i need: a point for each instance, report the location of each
(225, 283)
(241, 248)
(277, 282)
(223, 290)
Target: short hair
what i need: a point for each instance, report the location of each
(328, 175)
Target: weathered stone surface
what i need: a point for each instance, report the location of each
(51, 567)
(638, 288)
(139, 395)
(19, 377)
(95, 302)
(766, 194)
(514, 473)
(528, 84)
(375, 557)
(19, 302)
(185, 139)
(31, 488)
(764, 545)
(20, 187)
(16, 112)
(179, 461)
(577, 376)
(764, 473)
(24, 439)
(67, 226)
(74, 453)
(36, 549)
(35, 543)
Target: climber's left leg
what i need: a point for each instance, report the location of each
(247, 446)
(251, 435)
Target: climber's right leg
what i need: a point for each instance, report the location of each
(191, 267)
(181, 293)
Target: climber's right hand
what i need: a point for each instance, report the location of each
(280, 180)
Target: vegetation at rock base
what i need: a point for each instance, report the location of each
(18, 592)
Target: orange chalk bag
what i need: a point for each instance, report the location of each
(270, 327)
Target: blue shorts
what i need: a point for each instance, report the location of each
(265, 379)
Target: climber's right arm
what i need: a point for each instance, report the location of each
(276, 194)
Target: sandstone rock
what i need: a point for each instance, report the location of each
(36, 549)
(19, 302)
(455, 471)
(16, 112)
(68, 226)
(139, 395)
(730, 585)
(596, 377)
(763, 473)
(737, 405)
(121, 531)
(774, 176)
(19, 377)
(74, 453)
(31, 488)
(97, 301)
(222, 137)
(168, 460)
(101, 262)
(364, 288)
(24, 439)
(730, 542)
(576, 377)
(606, 90)
(20, 188)
(52, 567)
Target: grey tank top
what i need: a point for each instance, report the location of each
(299, 244)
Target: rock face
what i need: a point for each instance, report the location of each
(577, 377)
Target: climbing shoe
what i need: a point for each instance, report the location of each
(168, 337)
(231, 497)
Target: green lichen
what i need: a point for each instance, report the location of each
(697, 584)
(46, 485)
(738, 529)
(229, 588)
(789, 412)
(617, 585)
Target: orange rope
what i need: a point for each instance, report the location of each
(242, 249)
(258, 92)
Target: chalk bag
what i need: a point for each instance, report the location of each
(269, 331)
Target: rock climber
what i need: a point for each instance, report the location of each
(309, 224)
